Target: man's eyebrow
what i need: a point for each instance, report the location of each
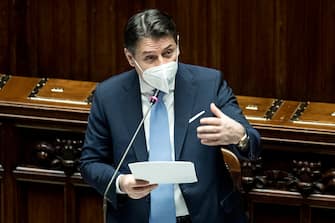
(169, 46)
(147, 52)
(153, 51)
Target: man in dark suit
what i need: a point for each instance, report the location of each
(203, 116)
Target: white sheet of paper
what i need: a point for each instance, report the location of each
(164, 172)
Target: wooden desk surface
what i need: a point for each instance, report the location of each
(69, 100)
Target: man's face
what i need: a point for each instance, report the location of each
(153, 52)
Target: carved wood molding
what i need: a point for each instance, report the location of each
(3, 80)
(305, 177)
(63, 154)
(1, 171)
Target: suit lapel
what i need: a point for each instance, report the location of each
(133, 106)
(184, 99)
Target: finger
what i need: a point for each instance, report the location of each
(143, 187)
(140, 192)
(210, 137)
(210, 121)
(139, 182)
(216, 111)
(208, 129)
(143, 190)
(150, 187)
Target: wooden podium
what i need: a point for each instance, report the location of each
(42, 125)
(295, 179)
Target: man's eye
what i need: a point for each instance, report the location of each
(149, 58)
(168, 53)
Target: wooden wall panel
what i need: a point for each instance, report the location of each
(42, 203)
(264, 213)
(8, 162)
(2, 197)
(322, 215)
(4, 33)
(248, 61)
(307, 44)
(327, 50)
(48, 38)
(2, 201)
(88, 206)
(269, 48)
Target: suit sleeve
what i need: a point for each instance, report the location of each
(228, 104)
(96, 158)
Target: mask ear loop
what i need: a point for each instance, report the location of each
(139, 67)
(177, 48)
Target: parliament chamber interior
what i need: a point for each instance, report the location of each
(278, 56)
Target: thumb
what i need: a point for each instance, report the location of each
(216, 111)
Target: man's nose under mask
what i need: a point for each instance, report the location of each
(160, 77)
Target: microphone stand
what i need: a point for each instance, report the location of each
(153, 100)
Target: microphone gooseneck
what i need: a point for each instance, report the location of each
(153, 99)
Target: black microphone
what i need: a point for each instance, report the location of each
(153, 99)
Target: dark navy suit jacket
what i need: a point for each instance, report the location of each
(116, 111)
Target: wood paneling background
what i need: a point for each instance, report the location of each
(269, 48)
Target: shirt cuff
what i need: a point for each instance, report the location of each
(117, 185)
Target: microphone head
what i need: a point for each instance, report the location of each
(154, 98)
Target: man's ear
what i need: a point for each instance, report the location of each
(129, 57)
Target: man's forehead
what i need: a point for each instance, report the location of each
(147, 45)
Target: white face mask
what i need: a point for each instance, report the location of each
(160, 77)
